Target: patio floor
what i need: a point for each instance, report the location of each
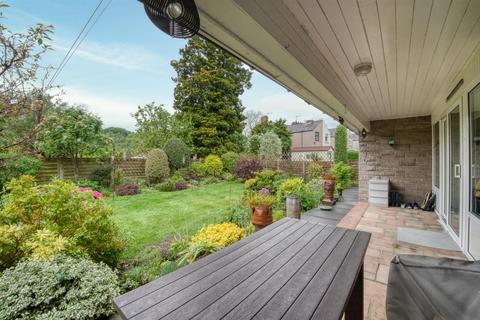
(382, 223)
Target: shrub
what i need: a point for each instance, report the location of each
(315, 170)
(254, 144)
(229, 160)
(250, 183)
(209, 180)
(352, 155)
(94, 185)
(308, 200)
(254, 199)
(150, 263)
(343, 174)
(239, 215)
(156, 166)
(13, 166)
(181, 185)
(177, 177)
(102, 174)
(128, 189)
(228, 176)
(266, 179)
(197, 169)
(316, 186)
(270, 146)
(212, 238)
(74, 221)
(166, 186)
(63, 288)
(340, 152)
(178, 153)
(213, 165)
(289, 187)
(246, 169)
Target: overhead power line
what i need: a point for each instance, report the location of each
(88, 26)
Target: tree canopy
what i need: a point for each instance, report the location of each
(155, 126)
(121, 138)
(209, 83)
(280, 128)
(270, 146)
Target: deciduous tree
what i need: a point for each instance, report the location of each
(279, 127)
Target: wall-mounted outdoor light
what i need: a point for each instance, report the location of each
(391, 141)
(340, 119)
(364, 133)
(362, 69)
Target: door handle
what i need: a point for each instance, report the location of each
(457, 171)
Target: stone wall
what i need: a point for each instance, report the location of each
(408, 163)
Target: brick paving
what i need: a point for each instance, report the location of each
(382, 223)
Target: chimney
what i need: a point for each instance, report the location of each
(308, 121)
(264, 119)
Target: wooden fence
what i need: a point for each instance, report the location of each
(135, 167)
(131, 168)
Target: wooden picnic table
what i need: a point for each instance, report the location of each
(292, 269)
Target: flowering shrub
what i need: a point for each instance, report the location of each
(40, 221)
(128, 189)
(250, 183)
(246, 169)
(63, 288)
(95, 194)
(264, 191)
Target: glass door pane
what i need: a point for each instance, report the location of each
(454, 168)
(474, 109)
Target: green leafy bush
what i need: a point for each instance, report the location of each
(102, 174)
(290, 187)
(315, 170)
(229, 160)
(154, 261)
(270, 146)
(266, 179)
(178, 153)
(239, 215)
(156, 166)
(343, 174)
(316, 186)
(14, 166)
(63, 288)
(213, 165)
(197, 169)
(72, 221)
(352, 155)
(94, 185)
(166, 186)
(340, 152)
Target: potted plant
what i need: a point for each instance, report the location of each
(329, 189)
(261, 204)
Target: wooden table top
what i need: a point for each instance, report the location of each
(293, 269)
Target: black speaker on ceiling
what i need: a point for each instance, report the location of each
(178, 18)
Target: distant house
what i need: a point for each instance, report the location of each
(311, 139)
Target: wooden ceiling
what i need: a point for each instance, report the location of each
(415, 46)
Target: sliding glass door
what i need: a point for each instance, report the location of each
(454, 166)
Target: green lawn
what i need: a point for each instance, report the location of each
(153, 216)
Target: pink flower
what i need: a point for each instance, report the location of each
(84, 189)
(97, 195)
(264, 191)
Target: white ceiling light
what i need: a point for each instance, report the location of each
(362, 69)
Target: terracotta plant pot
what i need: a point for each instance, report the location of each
(328, 188)
(261, 216)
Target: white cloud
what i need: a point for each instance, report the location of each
(288, 106)
(114, 112)
(122, 55)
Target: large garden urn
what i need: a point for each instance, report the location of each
(328, 189)
(261, 216)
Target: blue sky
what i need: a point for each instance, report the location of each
(125, 61)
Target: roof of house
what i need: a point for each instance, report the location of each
(308, 149)
(304, 126)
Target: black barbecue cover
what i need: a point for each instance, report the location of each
(429, 288)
